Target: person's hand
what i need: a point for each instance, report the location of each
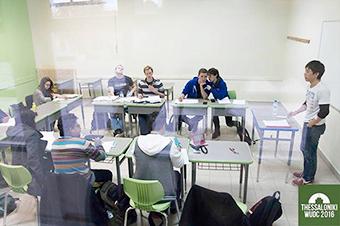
(208, 87)
(5, 119)
(180, 98)
(129, 94)
(202, 84)
(311, 124)
(140, 96)
(152, 89)
(97, 142)
(291, 114)
(64, 97)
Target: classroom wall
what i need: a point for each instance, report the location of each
(17, 62)
(245, 40)
(305, 21)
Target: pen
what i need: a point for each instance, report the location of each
(233, 151)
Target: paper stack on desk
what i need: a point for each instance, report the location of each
(240, 102)
(105, 98)
(224, 101)
(276, 123)
(186, 101)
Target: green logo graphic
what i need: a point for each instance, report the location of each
(319, 205)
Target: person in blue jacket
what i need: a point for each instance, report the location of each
(219, 89)
(195, 88)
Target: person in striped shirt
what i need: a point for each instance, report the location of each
(148, 87)
(70, 153)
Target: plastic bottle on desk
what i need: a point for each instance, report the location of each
(121, 94)
(34, 108)
(275, 106)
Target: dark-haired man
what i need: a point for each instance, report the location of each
(195, 88)
(317, 108)
(70, 153)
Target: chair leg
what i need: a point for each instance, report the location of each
(141, 217)
(38, 210)
(126, 215)
(5, 209)
(166, 218)
(177, 208)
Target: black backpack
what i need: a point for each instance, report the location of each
(11, 205)
(103, 121)
(117, 202)
(265, 211)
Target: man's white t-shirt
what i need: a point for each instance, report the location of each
(315, 96)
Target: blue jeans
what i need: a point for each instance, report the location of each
(117, 122)
(144, 129)
(309, 146)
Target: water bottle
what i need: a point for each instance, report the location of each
(121, 94)
(275, 106)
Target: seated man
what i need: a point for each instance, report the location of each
(3, 117)
(195, 88)
(120, 84)
(148, 87)
(70, 153)
(155, 156)
(29, 150)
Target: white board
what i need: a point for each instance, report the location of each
(329, 55)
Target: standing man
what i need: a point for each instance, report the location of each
(317, 108)
(195, 88)
(120, 83)
(148, 87)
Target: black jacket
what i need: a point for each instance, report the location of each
(28, 150)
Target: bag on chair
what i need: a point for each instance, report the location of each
(265, 211)
(11, 205)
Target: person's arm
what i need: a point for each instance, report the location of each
(33, 157)
(219, 95)
(140, 90)
(97, 152)
(56, 95)
(133, 90)
(204, 94)
(160, 90)
(301, 109)
(176, 156)
(181, 97)
(39, 98)
(323, 112)
(111, 90)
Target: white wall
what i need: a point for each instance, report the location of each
(305, 21)
(245, 40)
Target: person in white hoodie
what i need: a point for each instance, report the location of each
(155, 156)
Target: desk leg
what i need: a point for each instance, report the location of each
(182, 184)
(172, 94)
(185, 178)
(82, 112)
(277, 142)
(241, 178)
(79, 85)
(130, 125)
(260, 155)
(244, 127)
(193, 176)
(290, 153)
(101, 87)
(130, 166)
(253, 131)
(245, 188)
(118, 171)
(124, 126)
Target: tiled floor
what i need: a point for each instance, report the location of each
(272, 176)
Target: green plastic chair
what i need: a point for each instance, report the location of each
(232, 94)
(145, 195)
(242, 206)
(17, 178)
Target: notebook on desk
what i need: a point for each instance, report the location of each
(276, 123)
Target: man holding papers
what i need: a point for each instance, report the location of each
(70, 153)
(195, 88)
(317, 108)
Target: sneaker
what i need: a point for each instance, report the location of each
(216, 134)
(298, 174)
(301, 181)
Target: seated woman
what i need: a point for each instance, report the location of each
(44, 93)
(155, 156)
(29, 150)
(148, 87)
(195, 88)
(120, 84)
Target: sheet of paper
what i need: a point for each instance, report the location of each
(276, 123)
(107, 145)
(71, 95)
(58, 99)
(105, 98)
(49, 137)
(184, 153)
(154, 99)
(224, 101)
(187, 101)
(11, 122)
(240, 102)
(281, 116)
